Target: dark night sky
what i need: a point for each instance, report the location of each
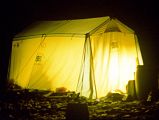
(142, 17)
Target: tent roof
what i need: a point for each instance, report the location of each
(77, 27)
(74, 27)
(113, 25)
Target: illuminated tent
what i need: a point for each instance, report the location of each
(92, 56)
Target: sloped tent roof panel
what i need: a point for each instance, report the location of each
(112, 25)
(78, 26)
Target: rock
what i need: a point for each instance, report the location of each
(147, 111)
(104, 115)
(11, 116)
(157, 102)
(126, 116)
(117, 108)
(100, 111)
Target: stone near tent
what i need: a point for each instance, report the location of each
(77, 111)
(61, 90)
(131, 88)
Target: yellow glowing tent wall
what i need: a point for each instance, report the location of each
(92, 56)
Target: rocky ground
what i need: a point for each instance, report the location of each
(35, 105)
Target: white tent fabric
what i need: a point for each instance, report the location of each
(62, 27)
(92, 56)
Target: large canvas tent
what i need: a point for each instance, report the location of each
(92, 56)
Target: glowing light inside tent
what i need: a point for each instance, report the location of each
(120, 74)
(114, 61)
(113, 73)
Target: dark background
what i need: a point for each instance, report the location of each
(141, 16)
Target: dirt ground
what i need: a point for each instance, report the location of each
(35, 105)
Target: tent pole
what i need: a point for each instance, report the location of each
(92, 77)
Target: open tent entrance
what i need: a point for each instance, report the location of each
(95, 59)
